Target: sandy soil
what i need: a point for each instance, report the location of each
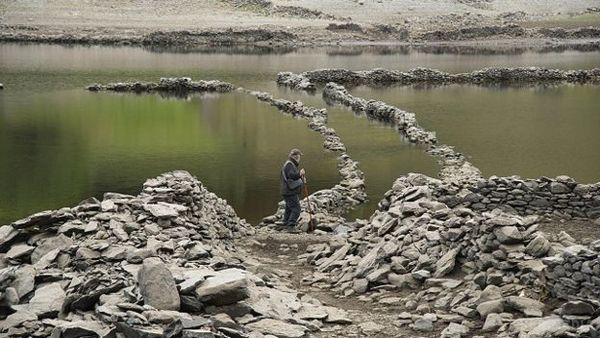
(307, 21)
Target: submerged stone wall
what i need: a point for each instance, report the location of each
(329, 205)
(454, 166)
(428, 76)
(175, 86)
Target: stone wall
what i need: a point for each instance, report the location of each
(575, 273)
(328, 205)
(428, 76)
(562, 196)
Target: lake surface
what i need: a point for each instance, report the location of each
(60, 144)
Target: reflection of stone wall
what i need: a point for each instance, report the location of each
(562, 196)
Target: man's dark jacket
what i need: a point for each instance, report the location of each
(290, 168)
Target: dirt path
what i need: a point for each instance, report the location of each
(278, 254)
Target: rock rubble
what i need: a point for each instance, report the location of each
(467, 269)
(159, 264)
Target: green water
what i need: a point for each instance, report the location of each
(530, 132)
(60, 144)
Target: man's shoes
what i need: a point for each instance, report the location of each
(293, 230)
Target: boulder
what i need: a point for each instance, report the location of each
(157, 285)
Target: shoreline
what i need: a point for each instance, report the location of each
(274, 36)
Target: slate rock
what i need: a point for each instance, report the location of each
(225, 287)
(46, 245)
(446, 263)
(492, 322)
(46, 302)
(508, 235)
(527, 306)
(278, 328)
(157, 285)
(538, 247)
(577, 308)
(18, 251)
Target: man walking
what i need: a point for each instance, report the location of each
(292, 180)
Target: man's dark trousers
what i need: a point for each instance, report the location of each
(292, 209)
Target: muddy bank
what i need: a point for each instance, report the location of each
(321, 35)
(428, 76)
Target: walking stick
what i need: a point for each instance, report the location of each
(312, 224)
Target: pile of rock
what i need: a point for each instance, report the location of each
(417, 242)
(175, 86)
(160, 264)
(328, 205)
(428, 76)
(561, 196)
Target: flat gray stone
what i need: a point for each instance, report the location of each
(492, 322)
(157, 285)
(17, 319)
(24, 281)
(225, 287)
(47, 301)
(278, 328)
(46, 245)
(446, 263)
(527, 306)
(164, 210)
(508, 235)
(19, 250)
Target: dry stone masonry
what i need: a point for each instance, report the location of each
(329, 205)
(159, 264)
(181, 85)
(454, 166)
(468, 270)
(428, 76)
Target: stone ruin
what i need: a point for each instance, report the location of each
(159, 264)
